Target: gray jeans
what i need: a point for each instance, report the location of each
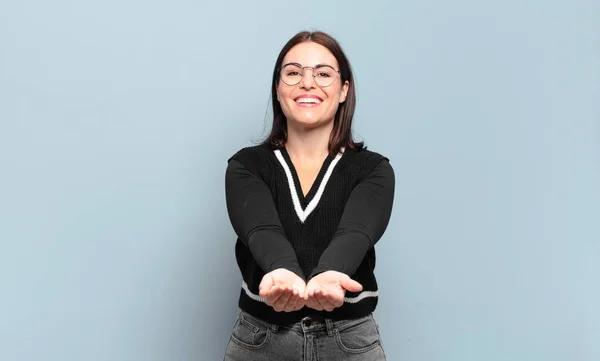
(350, 340)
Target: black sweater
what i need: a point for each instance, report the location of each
(334, 227)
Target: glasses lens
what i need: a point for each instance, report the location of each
(324, 75)
(291, 74)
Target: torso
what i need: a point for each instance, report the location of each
(310, 201)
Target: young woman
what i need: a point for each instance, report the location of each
(308, 206)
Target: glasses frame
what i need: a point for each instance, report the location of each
(313, 73)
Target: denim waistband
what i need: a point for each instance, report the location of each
(311, 325)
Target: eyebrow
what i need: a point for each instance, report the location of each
(300, 65)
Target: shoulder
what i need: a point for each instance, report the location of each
(252, 152)
(257, 159)
(365, 157)
(250, 157)
(366, 162)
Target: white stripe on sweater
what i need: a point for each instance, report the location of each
(303, 214)
(361, 296)
(252, 295)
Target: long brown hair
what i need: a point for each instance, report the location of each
(341, 135)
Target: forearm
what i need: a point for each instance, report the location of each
(255, 220)
(271, 250)
(344, 254)
(365, 219)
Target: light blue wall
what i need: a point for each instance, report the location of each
(117, 117)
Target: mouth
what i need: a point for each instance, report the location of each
(308, 100)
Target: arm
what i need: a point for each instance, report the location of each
(365, 219)
(255, 220)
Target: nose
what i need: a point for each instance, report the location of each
(307, 79)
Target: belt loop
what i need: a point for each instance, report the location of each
(329, 325)
(274, 328)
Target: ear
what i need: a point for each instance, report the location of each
(344, 91)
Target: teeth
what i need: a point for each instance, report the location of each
(308, 100)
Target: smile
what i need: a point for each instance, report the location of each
(308, 100)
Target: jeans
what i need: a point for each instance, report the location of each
(350, 340)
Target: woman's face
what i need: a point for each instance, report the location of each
(307, 103)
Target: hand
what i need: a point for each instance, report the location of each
(285, 290)
(326, 290)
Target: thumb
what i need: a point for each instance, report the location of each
(350, 285)
(265, 285)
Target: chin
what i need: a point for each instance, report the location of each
(310, 123)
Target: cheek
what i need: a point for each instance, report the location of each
(335, 98)
(334, 94)
(287, 106)
(283, 93)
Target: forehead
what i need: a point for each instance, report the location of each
(310, 54)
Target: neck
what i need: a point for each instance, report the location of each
(308, 144)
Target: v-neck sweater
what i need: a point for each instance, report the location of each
(334, 227)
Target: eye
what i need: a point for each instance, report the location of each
(323, 75)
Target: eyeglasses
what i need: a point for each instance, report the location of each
(292, 74)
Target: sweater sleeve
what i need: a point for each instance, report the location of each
(254, 218)
(365, 219)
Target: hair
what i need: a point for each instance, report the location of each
(341, 135)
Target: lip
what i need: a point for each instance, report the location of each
(308, 96)
(312, 96)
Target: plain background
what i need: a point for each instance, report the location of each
(117, 117)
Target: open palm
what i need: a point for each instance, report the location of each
(326, 291)
(284, 290)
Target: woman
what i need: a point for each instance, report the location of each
(308, 206)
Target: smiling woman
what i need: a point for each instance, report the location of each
(314, 51)
(308, 206)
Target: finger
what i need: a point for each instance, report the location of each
(273, 295)
(315, 304)
(283, 300)
(351, 285)
(286, 298)
(291, 303)
(309, 295)
(300, 303)
(296, 302)
(321, 299)
(303, 293)
(311, 301)
(324, 299)
(300, 289)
